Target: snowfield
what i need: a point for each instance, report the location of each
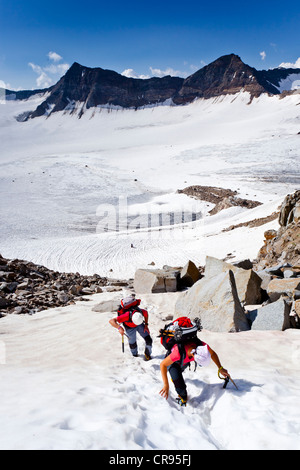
(95, 195)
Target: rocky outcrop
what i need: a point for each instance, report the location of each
(233, 298)
(290, 210)
(222, 198)
(26, 288)
(283, 245)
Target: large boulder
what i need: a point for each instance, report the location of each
(148, 281)
(248, 283)
(274, 316)
(189, 275)
(216, 302)
(278, 287)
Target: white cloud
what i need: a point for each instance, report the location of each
(157, 72)
(5, 85)
(263, 55)
(130, 73)
(289, 65)
(49, 74)
(167, 71)
(54, 56)
(43, 80)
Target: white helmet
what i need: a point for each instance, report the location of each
(202, 355)
(137, 318)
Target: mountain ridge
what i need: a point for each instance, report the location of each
(83, 87)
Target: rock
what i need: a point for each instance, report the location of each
(12, 286)
(8, 275)
(289, 273)
(63, 298)
(75, 289)
(270, 234)
(266, 278)
(107, 306)
(297, 212)
(148, 281)
(297, 294)
(87, 291)
(296, 307)
(279, 287)
(18, 310)
(244, 264)
(216, 302)
(274, 316)
(189, 275)
(289, 208)
(285, 246)
(277, 270)
(23, 284)
(295, 314)
(247, 281)
(4, 303)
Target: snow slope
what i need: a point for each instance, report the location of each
(67, 385)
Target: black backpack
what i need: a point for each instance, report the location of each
(180, 332)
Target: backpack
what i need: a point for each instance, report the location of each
(130, 305)
(180, 332)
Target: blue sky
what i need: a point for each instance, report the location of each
(40, 40)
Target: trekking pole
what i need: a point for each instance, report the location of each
(123, 342)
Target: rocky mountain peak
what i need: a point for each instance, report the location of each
(83, 87)
(226, 75)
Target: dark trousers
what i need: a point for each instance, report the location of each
(131, 333)
(176, 373)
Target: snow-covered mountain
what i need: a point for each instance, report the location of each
(82, 88)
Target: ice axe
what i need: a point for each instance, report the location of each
(226, 381)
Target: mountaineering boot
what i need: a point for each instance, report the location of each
(147, 354)
(181, 401)
(147, 357)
